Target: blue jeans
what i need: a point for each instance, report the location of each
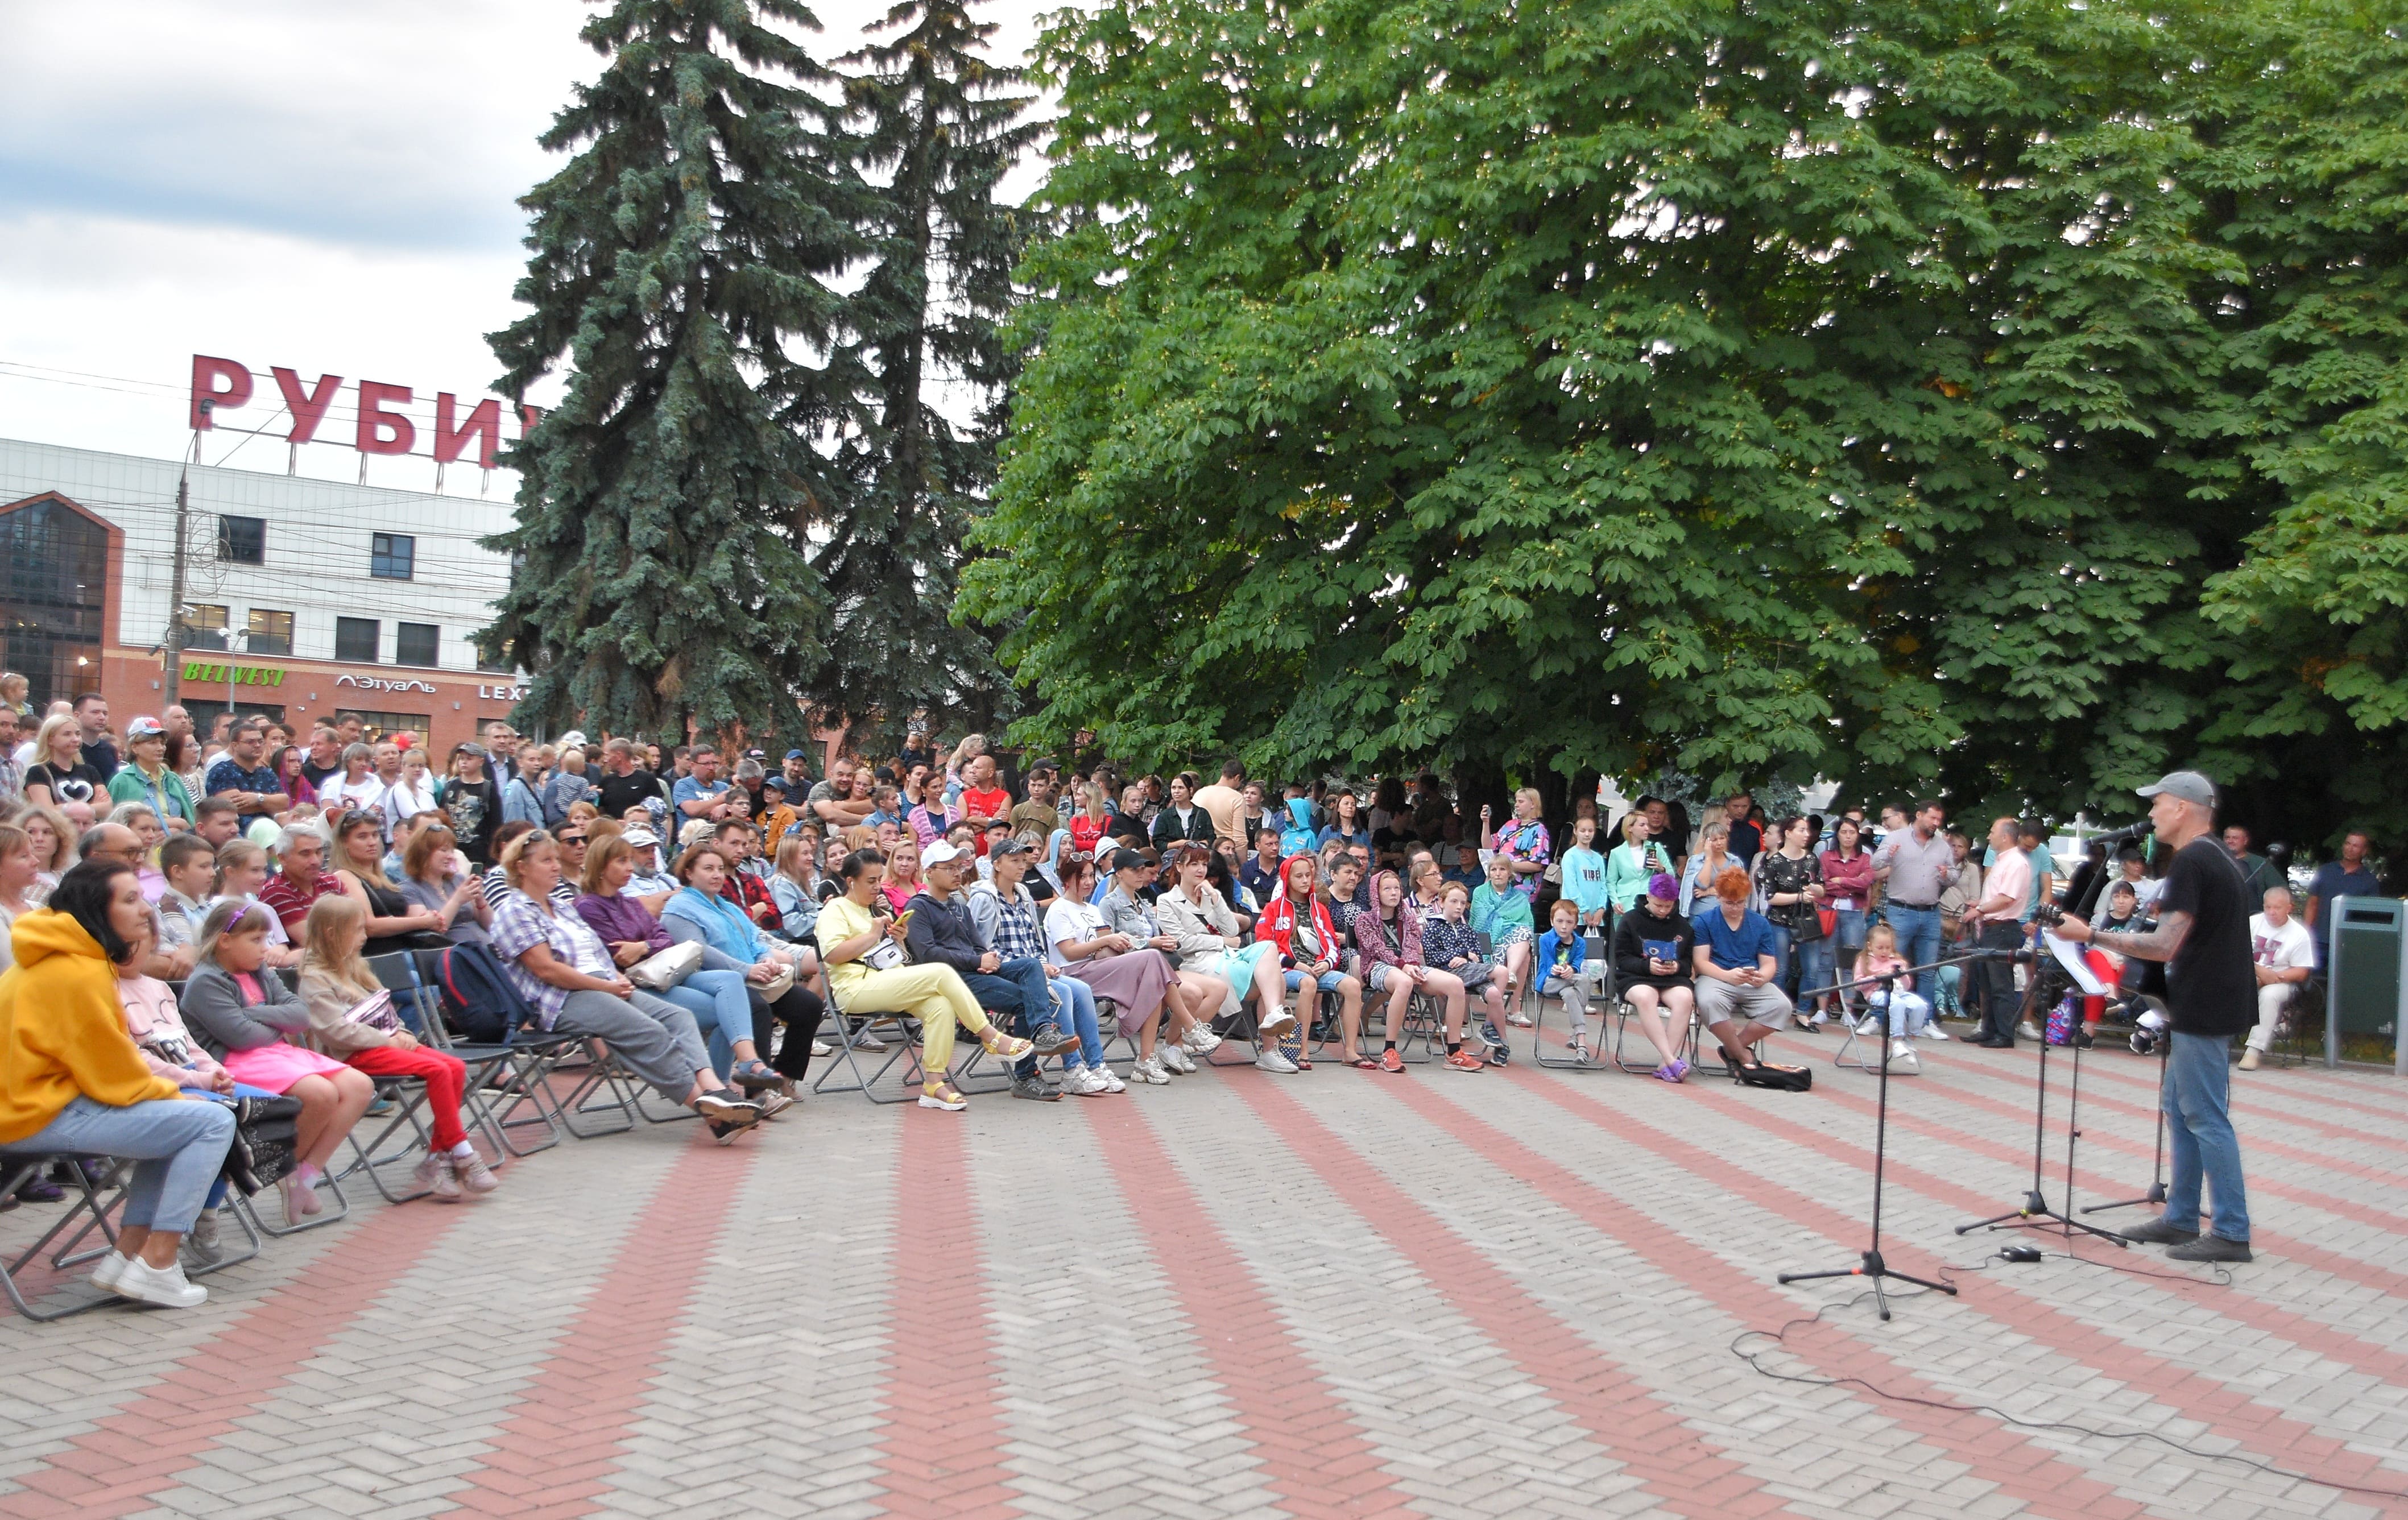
(722, 1010)
(1082, 1015)
(1019, 990)
(178, 1146)
(1918, 938)
(2199, 1131)
(1848, 931)
(1780, 957)
(1815, 965)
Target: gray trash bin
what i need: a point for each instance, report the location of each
(2365, 993)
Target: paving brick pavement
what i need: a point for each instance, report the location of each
(1340, 1294)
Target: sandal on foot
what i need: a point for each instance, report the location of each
(943, 1096)
(1003, 1046)
(1361, 1062)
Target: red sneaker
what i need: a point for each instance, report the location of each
(1464, 1061)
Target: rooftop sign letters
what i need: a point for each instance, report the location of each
(381, 683)
(221, 385)
(232, 675)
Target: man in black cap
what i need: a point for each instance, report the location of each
(2202, 936)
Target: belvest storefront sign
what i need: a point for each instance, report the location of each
(238, 675)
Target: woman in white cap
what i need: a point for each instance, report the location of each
(146, 779)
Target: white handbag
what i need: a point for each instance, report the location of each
(885, 956)
(777, 986)
(665, 969)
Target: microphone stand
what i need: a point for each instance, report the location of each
(2156, 1195)
(1870, 1264)
(2036, 1213)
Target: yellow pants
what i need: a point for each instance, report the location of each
(935, 994)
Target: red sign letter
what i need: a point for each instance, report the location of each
(528, 416)
(207, 372)
(308, 408)
(374, 420)
(484, 424)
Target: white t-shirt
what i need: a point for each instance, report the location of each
(1077, 922)
(366, 795)
(2281, 948)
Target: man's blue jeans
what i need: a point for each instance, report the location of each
(2199, 1131)
(1020, 991)
(1919, 939)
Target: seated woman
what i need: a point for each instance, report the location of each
(563, 969)
(1652, 950)
(1311, 959)
(1389, 938)
(1194, 998)
(1503, 913)
(149, 834)
(393, 921)
(700, 910)
(1210, 949)
(794, 886)
(1011, 923)
(77, 1085)
(234, 1000)
(855, 923)
(1135, 977)
(336, 984)
(1734, 960)
(437, 879)
(1447, 945)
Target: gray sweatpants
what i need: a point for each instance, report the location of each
(651, 1036)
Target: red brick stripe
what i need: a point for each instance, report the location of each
(2256, 1427)
(553, 1456)
(941, 1451)
(1999, 1455)
(1622, 1415)
(116, 1467)
(1314, 1454)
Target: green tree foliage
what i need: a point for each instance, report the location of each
(939, 126)
(678, 262)
(1861, 387)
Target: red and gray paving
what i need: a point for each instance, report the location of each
(1514, 1292)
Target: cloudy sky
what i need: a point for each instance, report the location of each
(328, 187)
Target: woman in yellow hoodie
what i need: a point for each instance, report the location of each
(72, 1081)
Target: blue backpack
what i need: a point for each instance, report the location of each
(479, 1003)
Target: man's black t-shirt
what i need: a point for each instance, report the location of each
(621, 793)
(2209, 987)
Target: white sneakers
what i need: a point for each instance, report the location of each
(1149, 1070)
(1174, 1060)
(1085, 1081)
(1902, 1057)
(1279, 1022)
(1200, 1040)
(1271, 1060)
(433, 1176)
(135, 1279)
(1933, 1031)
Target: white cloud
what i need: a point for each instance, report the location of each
(331, 188)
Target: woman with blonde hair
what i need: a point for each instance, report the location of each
(902, 879)
(58, 778)
(52, 838)
(351, 1019)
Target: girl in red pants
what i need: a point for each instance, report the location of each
(352, 1021)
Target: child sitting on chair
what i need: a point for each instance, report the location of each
(1451, 944)
(1563, 972)
(1908, 1013)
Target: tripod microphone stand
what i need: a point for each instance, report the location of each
(2156, 1195)
(2036, 1213)
(1870, 1264)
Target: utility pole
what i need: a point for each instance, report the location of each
(176, 592)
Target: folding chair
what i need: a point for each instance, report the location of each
(89, 1211)
(397, 974)
(903, 1050)
(1601, 979)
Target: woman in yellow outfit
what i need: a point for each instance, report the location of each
(850, 928)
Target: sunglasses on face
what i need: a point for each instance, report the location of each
(569, 838)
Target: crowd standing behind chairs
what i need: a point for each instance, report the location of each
(192, 921)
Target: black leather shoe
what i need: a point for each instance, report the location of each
(2157, 1232)
(1995, 1044)
(2211, 1248)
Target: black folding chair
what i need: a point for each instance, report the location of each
(1593, 954)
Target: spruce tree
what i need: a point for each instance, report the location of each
(678, 264)
(940, 126)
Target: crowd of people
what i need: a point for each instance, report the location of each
(193, 919)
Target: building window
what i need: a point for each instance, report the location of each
(53, 582)
(205, 625)
(392, 556)
(415, 643)
(355, 639)
(494, 664)
(271, 633)
(242, 540)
